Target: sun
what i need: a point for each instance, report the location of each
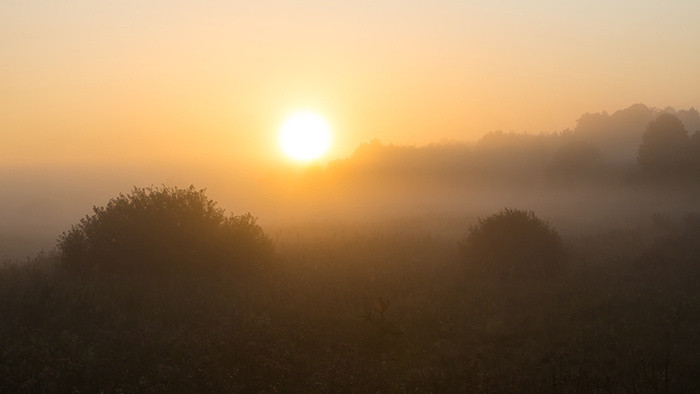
(305, 136)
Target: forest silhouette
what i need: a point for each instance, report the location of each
(601, 148)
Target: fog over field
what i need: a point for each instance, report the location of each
(582, 180)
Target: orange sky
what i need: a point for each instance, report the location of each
(175, 81)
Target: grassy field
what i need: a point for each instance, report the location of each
(358, 311)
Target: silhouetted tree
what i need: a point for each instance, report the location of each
(513, 243)
(617, 135)
(664, 145)
(689, 117)
(159, 229)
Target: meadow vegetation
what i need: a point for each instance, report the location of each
(350, 309)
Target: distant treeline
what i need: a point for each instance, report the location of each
(635, 144)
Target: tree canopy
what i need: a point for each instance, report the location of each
(161, 229)
(664, 145)
(512, 242)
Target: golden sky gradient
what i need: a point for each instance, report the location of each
(179, 81)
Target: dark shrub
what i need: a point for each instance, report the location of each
(160, 229)
(512, 243)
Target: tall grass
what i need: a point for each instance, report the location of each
(354, 311)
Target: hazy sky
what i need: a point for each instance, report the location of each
(142, 81)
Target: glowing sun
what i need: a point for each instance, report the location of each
(305, 136)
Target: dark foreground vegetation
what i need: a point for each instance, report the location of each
(342, 309)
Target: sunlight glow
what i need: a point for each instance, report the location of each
(305, 136)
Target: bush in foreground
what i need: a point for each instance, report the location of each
(158, 229)
(512, 242)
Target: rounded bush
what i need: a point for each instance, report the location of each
(512, 243)
(161, 229)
